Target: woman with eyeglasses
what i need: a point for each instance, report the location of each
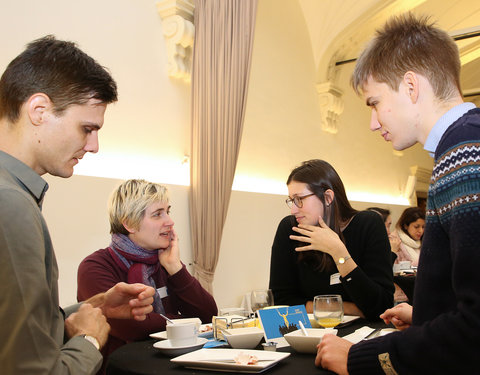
(327, 247)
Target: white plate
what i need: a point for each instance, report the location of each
(346, 319)
(205, 359)
(205, 334)
(166, 347)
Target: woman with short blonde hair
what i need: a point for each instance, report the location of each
(144, 249)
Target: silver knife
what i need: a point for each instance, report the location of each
(373, 334)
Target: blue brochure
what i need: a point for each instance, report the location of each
(278, 321)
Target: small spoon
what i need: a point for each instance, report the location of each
(168, 320)
(302, 327)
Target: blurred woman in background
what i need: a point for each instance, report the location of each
(409, 230)
(387, 219)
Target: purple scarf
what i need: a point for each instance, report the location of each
(139, 263)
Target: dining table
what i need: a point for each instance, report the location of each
(142, 358)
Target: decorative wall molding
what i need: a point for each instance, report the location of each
(422, 175)
(179, 31)
(418, 182)
(331, 106)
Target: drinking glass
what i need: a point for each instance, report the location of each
(328, 310)
(261, 299)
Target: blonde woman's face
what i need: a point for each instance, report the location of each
(155, 229)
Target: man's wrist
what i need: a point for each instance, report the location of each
(97, 300)
(92, 340)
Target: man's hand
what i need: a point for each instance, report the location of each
(125, 301)
(332, 354)
(400, 316)
(88, 320)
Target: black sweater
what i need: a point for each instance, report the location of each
(369, 286)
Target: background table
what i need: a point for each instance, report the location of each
(142, 358)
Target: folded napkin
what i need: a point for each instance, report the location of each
(363, 332)
(359, 334)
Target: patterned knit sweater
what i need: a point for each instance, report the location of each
(445, 334)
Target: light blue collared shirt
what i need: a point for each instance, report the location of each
(443, 123)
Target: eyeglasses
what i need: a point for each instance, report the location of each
(297, 200)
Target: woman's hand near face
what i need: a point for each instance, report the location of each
(170, 257)
(395, 242)
(320, 238)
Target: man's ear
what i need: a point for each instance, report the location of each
(329, 195)
(38, 106)
(410, 80)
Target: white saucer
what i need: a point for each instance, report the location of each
(166, 347)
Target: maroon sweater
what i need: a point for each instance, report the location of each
(186, 298)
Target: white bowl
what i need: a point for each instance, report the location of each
(243, 338)
(307, 344)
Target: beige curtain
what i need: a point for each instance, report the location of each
(221, 63)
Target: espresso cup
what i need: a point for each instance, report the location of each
(197, 321)
(182, 334)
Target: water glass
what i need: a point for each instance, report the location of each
(328, 310)
(261, 299)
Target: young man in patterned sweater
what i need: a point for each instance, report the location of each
(409, 76)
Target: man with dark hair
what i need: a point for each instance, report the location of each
(409, 76)
(52, 103)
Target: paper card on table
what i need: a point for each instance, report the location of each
(278, 321)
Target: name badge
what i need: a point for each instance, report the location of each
(335, 278)
(162, 292)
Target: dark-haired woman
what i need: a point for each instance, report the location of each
(327, 247)
(409, 229)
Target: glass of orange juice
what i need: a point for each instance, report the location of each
(328, 310)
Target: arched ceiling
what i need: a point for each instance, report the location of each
(339, 30)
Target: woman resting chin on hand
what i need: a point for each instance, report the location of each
(327, 247)
(144, 249)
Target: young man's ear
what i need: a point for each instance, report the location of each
(410, 80)
(37, 106)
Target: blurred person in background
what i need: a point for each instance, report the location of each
(387, 219)
(409, 230)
